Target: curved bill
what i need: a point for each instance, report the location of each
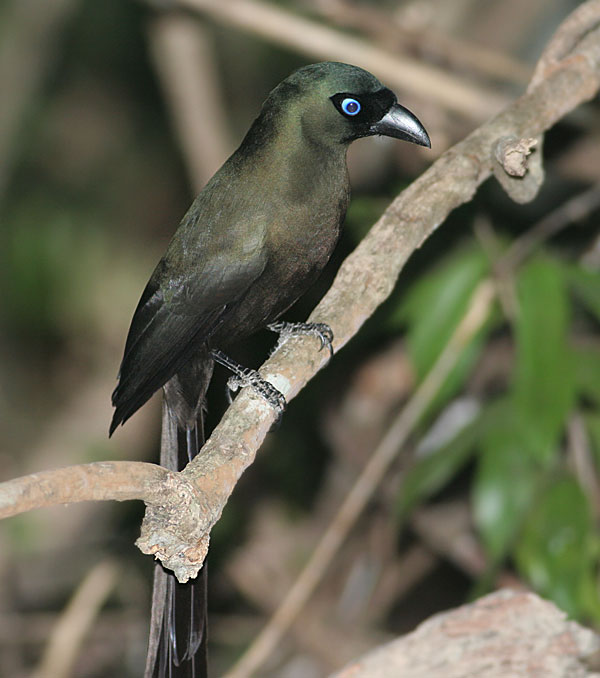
(400, 123)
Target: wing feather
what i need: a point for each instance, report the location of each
(186, 298)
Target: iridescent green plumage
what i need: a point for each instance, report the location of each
(254, 239)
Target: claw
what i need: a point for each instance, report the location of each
(261, 386)
(242, 377)
(322, 331)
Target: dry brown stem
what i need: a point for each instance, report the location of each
(29, 36)
(581, 460)
(75, 622)
(354, 503)
(321, 42)
(571, 211)
(183, 57)
(387, 28)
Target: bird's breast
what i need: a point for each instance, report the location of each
(302, 201)
(304, 234)
(301, 237)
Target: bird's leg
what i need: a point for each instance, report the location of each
(320, 330)
(242, 376)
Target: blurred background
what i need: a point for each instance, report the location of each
(112, 115)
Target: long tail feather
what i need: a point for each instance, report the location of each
(177, 646)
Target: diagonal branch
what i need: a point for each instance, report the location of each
(361, 492)
(368, 275)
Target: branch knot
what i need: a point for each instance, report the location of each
(174, 530)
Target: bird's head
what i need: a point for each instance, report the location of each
(336, 103)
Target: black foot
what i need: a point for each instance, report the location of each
(242, 376)
(320, 330)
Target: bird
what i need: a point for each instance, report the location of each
(253, 241)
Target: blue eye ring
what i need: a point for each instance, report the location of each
(351, 106)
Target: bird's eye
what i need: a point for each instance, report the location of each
(350, 106)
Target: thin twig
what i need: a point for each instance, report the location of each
(322, 42)
(183, 57)
(503, 278)
(573, 210)
(385, 28)
(358, 497)
(30, 33)
(582, 462)
(505, 265)
(70, 630)
(446, 528)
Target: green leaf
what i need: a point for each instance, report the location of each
(432, 309)
(557, 550)
(435, 304)
(544, 376)
(432, 472)
(505, 483)
(587, 372)
(586, 286)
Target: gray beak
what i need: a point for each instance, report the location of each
(400, 123)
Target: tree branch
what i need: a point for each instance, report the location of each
(181, 49)
(183, 507)
(507, 633)
(368, 275)
(361, 492)
(321, 42)
(100, 481)
(385, 26)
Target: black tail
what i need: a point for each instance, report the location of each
(177, 646)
